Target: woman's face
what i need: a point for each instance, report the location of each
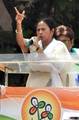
(66, 41)
(44, 33)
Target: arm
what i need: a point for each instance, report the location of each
(19, 34)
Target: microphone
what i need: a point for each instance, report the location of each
(34, 47)
(29, 43)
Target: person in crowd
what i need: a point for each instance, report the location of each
(47, 45)
(66, 35)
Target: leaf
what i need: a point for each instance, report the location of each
(32, 110)
(50, 115)
(41, 104)
(44, 114)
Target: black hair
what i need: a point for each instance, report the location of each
(49, 21)
(70, 33)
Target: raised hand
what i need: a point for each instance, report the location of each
(19, 16)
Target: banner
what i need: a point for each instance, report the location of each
(21, 103)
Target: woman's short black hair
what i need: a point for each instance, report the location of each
(49, 21)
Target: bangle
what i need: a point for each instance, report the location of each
(18, 31)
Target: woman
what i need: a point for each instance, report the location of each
(49, 47)
(66, 35)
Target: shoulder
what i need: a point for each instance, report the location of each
(58, 43)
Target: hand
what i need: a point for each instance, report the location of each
(19, 16)
(39, 49)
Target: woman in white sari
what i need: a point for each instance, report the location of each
(51, 72)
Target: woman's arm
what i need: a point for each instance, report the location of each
(19, 33)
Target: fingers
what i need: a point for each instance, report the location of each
(18, 13)
(16, 10)
(23, 13)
